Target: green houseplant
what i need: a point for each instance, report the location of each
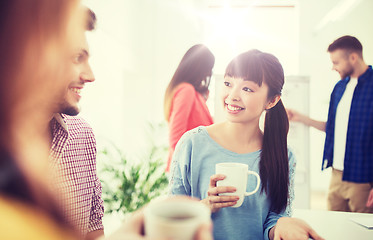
(128, 184)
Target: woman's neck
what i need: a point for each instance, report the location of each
(237, 137)
(244, 133)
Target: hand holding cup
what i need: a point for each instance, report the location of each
(215, 201)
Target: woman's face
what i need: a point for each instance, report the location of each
(244, 101)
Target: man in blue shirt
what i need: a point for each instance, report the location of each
(348, 145)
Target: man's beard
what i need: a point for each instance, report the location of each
(349, 72)
(346, 74)
(71, 111)
(63, 106)
(68, 109)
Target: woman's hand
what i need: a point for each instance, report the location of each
(288, 228)
(214, 201)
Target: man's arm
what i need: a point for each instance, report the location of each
(298, 117)
(95, 225)
(97, 212)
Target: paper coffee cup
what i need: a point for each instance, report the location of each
(175, 218)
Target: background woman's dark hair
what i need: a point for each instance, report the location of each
(258, 66)
(194, 68)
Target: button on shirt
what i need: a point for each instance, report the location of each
(358, 157)
(341, 123)
(73, 156)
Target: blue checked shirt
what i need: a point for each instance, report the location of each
(358, 162)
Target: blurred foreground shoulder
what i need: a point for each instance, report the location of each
(21, 221)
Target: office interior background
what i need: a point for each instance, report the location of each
(139, 43)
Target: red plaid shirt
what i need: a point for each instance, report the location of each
(73, 154)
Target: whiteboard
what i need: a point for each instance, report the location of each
(296, 95)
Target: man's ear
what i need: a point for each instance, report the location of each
(273, 102)
(353, 57)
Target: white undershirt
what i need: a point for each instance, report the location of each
(341, 125)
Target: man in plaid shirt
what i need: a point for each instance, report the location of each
(73, 150)
(349, 129)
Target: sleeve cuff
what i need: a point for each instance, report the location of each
(266, 232)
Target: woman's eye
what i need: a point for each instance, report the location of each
(247, 89)
(228, 84)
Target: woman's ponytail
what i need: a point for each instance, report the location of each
(274, 164)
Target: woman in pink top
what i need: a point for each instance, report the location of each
(185, 98)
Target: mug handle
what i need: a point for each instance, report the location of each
(257, 183)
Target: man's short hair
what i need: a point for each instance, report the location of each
(348, 43)
(91, 20)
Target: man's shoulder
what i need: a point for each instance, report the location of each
(369, 75)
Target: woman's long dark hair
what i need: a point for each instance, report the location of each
(258, 66)
(194, 68)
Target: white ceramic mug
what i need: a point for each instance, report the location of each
(175, 218)
(236, 175)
